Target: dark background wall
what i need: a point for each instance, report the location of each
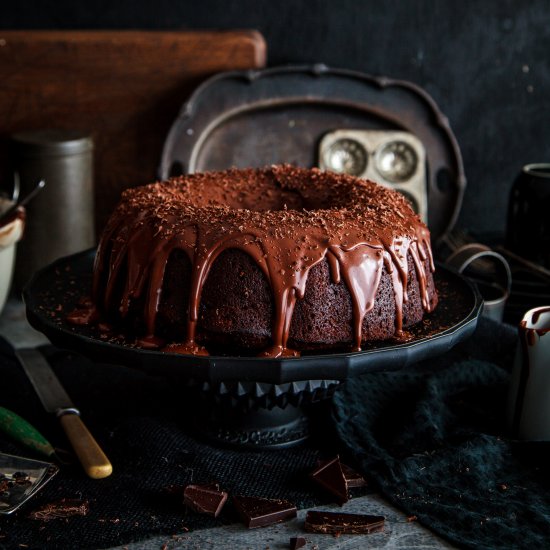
(486, 63)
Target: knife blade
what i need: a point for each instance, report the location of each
(55, 400)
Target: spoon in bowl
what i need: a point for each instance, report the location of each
(29, 196)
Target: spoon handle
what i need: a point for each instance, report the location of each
(10, 211)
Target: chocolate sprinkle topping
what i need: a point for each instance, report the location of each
(63, 508)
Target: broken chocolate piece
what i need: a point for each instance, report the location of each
(353, 479)
(63, 508)
(5, 485)
(297, 542)
(338, 523)
(259, 512)
(205, 499)
(329, 475)
(21, 477)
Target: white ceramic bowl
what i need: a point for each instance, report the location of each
(10, 234)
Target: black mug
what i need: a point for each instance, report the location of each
(528, 229)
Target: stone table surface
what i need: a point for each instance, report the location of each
(399, 532)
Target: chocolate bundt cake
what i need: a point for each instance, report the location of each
(269, 261)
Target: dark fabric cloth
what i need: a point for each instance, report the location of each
(139, 423)
(434, 441)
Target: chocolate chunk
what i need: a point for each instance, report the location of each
(297, 542)
(21, 477)
(353, 479)
(330, 476)
(259, 512)
(63, 508)
(5, 485)
(337, 523)
(205, 499)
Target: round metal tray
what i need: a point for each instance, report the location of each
(223, 124)
(55, 291)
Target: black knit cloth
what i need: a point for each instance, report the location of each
(434, 440)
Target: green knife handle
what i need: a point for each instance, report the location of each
(22, 432)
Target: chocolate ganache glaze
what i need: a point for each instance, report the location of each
(287, 221)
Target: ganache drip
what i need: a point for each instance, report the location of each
(286, 219)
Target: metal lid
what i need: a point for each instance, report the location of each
(52, 142)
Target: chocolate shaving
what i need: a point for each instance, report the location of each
(260, 512)
(63, 508)
(205, 499)
(338, 523)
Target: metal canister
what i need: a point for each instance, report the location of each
(60, 220)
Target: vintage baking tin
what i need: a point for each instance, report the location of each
(280, 115)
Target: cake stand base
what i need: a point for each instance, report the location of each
(260, 429)
(255, 415)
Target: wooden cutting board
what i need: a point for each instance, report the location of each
(125, 87)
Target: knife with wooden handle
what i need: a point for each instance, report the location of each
(55, 400)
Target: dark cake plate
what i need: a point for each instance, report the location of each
(248, 401)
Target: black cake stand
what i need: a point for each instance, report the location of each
(246, 401)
